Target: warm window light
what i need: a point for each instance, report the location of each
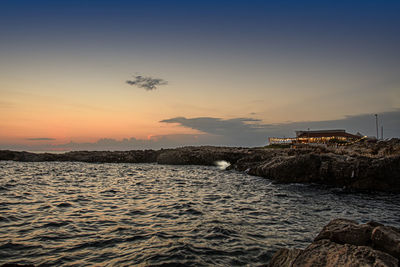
(306, 138)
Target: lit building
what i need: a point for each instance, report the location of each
(317, 137)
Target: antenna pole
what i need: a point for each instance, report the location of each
(376, 122)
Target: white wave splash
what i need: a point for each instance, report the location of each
(222, 164)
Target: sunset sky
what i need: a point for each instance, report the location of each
(236, 71)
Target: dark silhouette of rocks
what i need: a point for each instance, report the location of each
(363, 166)
(359, 167)
(134, 156)
(204, 155)
(346, 243)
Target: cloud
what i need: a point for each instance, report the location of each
(237, 131)
(41, 139)
(251, 132)
(155, 142)
(220, 126)
(226, 132)
(148, 83)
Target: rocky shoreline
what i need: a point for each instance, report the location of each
(346, 243)
(362, 166)
(365, 167)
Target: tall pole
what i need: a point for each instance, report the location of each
(376, 122)
(381, 132)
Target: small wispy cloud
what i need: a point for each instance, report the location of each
(146, 82)
(41, 139)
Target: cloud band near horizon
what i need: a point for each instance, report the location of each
(226, 132)
(41, 139)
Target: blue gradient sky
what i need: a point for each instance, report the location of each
(64, 65)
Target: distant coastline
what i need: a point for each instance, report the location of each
(367, 166)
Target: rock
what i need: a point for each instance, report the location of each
(362, 167)
(343, 231)
(206, 155)
(325, 253)
(284, 257)
(302, 168)
(346, 243)
(357, 173)
(387, 239)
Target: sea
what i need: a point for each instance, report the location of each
(87, 214)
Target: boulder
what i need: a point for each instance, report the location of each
(387, 239)
(346, 243)
(325, 253)
(343, 231)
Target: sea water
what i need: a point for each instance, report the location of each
(76, 214)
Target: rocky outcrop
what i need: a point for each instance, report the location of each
(366, 167)
(206, 155)
(358, 173)
(133, 156)
(345, 243)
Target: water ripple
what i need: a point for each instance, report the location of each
(75, 214)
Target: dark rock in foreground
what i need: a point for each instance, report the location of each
(346, 243)
(368, 167)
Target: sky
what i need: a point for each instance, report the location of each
(116, 75)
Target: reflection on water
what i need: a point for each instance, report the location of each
(123, 214)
